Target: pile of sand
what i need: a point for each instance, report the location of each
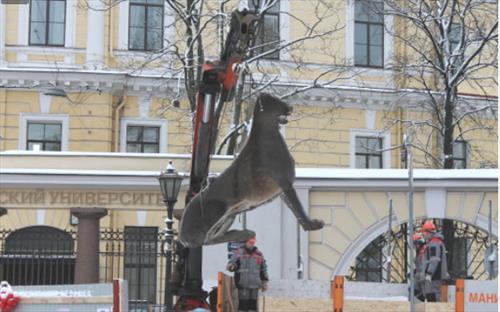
(270, 304)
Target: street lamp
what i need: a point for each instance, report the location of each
(170, 184)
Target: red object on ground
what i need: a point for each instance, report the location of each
(8, 300)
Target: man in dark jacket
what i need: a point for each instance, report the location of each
(250, 275)
(436, 268)
(419, 242)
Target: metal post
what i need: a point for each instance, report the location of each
(409, 157)
(490, 218)
(169, 235)
(490, 238)
(300, 269)
(389, 240)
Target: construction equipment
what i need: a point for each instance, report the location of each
(219, 79)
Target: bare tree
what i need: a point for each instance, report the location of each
(199, 29)
(196, 34)
(447, 46)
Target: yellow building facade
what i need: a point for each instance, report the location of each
(102, 144)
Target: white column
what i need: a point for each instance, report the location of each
(349, 32)
(303, 194)
(2, 35)
(23, 25)
(70, 33)
(95, 35)
(289, 239)
(123, 25)
(284, 19)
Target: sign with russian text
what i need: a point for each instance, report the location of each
(19, 198)
(481, 296)
(104, 297)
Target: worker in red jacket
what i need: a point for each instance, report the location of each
(419, 243)
(250, 275)
(435, 264)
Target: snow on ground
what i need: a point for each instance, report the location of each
(396, 298)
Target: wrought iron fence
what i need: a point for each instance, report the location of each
(384, 259)
(37, 255)
(135, 254)
(42, 255)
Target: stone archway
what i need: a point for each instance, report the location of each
(376, 231)
(38, 255)
(353, 219)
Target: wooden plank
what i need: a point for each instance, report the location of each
(444, 293)
(460, 295)
(338, 294)
(220, 291)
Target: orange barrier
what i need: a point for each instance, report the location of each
(444, 293)
(337, 293)
(460, 296)
(220, 291)
(225, 291)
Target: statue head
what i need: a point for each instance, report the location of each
(268, 106)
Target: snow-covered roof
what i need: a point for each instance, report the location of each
(88, 169)
(325, 173)
(318, 178)
(103, 154)
(301, 173)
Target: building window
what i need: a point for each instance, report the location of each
(47, 20)
(454, 37)
(143, 135)
(143, 139)
(268, 36)
(368, 33)
(140, 265)
(44, 136)
(370, 149)
(460, 154)
(43, 132)
(146, 25)
(369, 262)
(368, 152)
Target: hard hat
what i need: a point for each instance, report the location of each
(428, 226)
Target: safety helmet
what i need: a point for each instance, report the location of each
(428, 226)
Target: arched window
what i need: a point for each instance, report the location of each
(38, 255)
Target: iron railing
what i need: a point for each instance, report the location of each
(41, 255)
(465, 257)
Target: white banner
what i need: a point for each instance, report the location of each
(481, 296)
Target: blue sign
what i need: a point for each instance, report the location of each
(232, 247)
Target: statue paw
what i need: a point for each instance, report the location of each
(314, 224)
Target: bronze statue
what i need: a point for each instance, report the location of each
(263, 170)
